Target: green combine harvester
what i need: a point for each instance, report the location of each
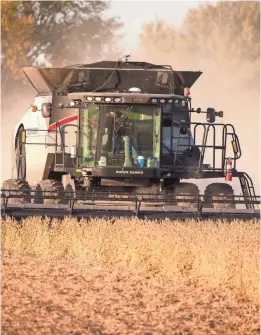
(117, 138)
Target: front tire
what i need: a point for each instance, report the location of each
(17, 187)
(49, 188)
(186, 191)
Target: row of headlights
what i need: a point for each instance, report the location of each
(107, 99)
(162, 101)
(118, 100)
(99, 99)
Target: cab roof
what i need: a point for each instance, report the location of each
(123, 66)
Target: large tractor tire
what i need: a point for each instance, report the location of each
(219, 191)
(49, 188)
(20, 154)
(186, 191)
(147, 193)
(17, 187)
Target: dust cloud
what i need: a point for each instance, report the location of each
(14, 105)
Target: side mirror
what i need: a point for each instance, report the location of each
(211, 115)
(46, 110)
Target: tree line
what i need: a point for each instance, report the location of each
(54, 33)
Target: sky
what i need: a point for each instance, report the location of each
(135, 14)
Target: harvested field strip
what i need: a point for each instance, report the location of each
(130, 276)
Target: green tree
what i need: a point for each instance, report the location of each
(16, 30)
(54, 33)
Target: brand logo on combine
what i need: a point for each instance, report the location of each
(31, 131)
(129, 172)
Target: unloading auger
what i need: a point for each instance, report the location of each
(117, 138)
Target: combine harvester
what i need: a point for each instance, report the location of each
(117, 138)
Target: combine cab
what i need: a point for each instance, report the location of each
(118, 137)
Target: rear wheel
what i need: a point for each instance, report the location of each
(13, 187)
(219, 191)
(187, 191)
(49, 188)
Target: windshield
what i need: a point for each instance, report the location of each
(102, 80)
(120, 136)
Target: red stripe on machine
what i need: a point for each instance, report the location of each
(63, 122)
(68, 120)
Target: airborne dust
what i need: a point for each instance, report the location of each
(123, 277)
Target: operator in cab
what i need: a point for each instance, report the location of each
(122, 126)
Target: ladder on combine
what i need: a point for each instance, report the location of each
(248, 190)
